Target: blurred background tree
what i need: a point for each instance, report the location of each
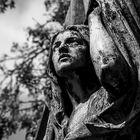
(24, 86)
(4, 4)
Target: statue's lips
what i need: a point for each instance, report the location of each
(64, 57)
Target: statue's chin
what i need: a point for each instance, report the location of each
(64, 70)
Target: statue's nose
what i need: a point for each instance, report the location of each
(63, 48)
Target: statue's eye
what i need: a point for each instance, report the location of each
(80, 41)
(56, 45)
(74, 40)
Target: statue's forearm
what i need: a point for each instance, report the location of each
(110, 66)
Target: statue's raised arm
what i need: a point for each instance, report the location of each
(115, 52)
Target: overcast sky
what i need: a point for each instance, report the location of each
(12, 25)
(14, 22)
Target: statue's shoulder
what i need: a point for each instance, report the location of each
(98, 103)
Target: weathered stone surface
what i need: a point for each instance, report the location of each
(107, 105)
(76, 13)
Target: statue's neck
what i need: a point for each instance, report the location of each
(76, 91)
(81, 84)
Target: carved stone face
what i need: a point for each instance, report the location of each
(69, 52)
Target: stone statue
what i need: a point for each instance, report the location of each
(93, 86)
(95, 72)
(73, 82)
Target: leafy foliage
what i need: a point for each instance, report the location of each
(61, 9)
(25, 87)
(4, 4)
